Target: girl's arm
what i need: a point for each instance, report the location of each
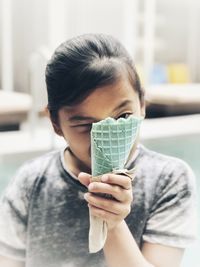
(120, 248)
(162, 256)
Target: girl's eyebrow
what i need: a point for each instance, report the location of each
(81, 118)
(77, 117)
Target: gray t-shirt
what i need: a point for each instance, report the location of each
(44, 218)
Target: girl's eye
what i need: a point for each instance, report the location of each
(124, 115)
(84, 127)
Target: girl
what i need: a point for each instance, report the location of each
(45, 209)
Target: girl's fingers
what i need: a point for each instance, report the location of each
(116, 191)
(108, 205)
(84, 178)
(120, 180)
(114, 179)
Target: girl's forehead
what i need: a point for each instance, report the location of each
(110, 94)
(104, 102)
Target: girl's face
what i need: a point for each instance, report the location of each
(116, 100)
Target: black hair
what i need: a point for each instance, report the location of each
(84, 63)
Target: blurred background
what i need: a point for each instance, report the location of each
(163, 38)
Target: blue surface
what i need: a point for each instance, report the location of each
(159, 74)
(188, 149)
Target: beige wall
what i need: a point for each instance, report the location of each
(29, 32)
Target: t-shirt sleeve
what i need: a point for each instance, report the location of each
(13, 217)
(173, 217)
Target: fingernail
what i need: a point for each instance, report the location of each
(81, 173)
(84, 174)
(104, 178)
(85, 196)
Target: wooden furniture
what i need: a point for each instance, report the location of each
(172, 99)
(14, 109)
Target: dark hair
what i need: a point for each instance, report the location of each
(83, 64)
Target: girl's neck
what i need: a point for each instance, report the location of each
(74, 164)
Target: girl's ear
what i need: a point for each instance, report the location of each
(57, 129)
(55, 125)
(46, 111)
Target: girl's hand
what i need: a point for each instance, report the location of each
(113, 211)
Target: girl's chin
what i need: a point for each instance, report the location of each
(75, 164)
(84, 165)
